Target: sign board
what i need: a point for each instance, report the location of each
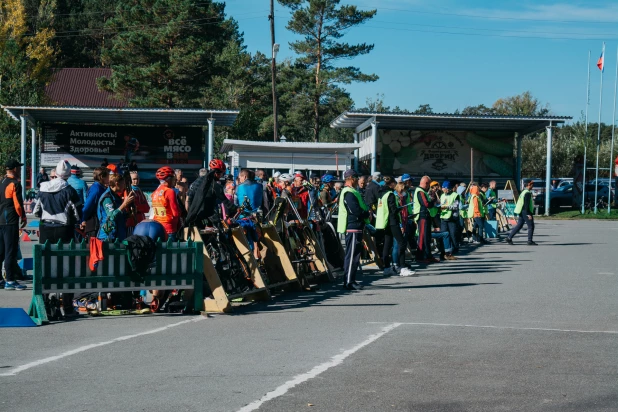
(446, 153)
(506, 194)
(153, 147)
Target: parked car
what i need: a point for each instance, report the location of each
(563, 196)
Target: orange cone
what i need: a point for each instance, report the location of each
(25, 237)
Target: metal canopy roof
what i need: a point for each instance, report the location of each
(231, 144)
(407, 121)
(81, 115)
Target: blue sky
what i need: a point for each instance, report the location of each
(498, 49)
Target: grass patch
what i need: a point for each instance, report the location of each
(576, 214)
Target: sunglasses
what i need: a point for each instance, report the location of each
(53, 177)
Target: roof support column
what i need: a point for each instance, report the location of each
(374, 144)
(518, 139)
(356, 153)
(548, 171)
(211, 139)
(33, 159)
(24, 124)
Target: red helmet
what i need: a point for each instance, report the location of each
(217, 164)
(164, 172)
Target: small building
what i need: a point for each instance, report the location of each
(452, 146)
(287, 157)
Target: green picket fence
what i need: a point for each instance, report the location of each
(63, 268)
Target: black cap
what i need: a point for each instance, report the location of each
(12, 164)
(350, 173)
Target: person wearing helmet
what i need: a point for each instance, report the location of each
(327, 186)
(165, 203)
(208, 195)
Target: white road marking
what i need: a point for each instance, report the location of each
(323, 367)
(15, 371)
(612, 332)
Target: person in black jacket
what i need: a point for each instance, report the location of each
(207, 197)
(372, 192)
(353, 215)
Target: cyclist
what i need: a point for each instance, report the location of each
(165, 203)
(208, 195)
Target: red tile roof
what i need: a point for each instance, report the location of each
(78, 87)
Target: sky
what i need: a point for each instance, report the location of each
(452, 54)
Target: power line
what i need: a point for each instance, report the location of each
(498, 30)
(103, 30)
(113, 11)
(488, 34)
(477, 16)
(146, 27)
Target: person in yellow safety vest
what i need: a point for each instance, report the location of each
(449, 215)
(476, 212)
(353, 216)
(423, 204)
(407, 180)
(389, 219)
(524, 208)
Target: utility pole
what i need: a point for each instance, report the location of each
(275, 49)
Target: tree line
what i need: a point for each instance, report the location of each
(190, 53)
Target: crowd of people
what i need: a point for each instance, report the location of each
(399, 215)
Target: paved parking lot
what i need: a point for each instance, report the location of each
(504, 328)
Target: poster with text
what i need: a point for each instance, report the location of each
(445, 153)
(150, 147)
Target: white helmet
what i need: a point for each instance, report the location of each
(286, 177)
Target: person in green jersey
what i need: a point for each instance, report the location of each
(524, 208)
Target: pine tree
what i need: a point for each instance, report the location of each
(165, 53)
(322, 23)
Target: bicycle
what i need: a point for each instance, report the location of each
(589, 205)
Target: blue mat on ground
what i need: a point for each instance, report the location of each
(15, 318)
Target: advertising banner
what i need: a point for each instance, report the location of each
(445, 153)
(153, 147)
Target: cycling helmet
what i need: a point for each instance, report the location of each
(286, 177)
(164, 172)
(217, 164)
(327, 178)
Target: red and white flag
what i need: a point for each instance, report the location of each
(601, 61)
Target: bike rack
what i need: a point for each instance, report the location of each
(221, 301)
(278, 259)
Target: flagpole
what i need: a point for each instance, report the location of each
(596, 182)
(586, 137)
(611, 150)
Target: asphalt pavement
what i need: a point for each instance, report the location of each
(505, 328)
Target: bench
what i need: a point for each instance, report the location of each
(63, 268)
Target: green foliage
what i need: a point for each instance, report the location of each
(321, 24)
(521, 105)
(26, 58)
(377, 106)
(165, 53)
(479, 110)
